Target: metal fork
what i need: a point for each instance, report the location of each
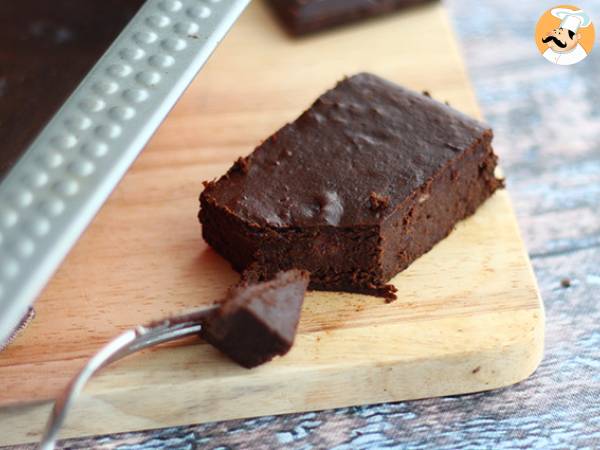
(125, 344)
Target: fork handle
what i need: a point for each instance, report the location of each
(125, 344)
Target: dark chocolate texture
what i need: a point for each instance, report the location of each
(307, 16)
(257, 322)
(371, 177)
(46, 48)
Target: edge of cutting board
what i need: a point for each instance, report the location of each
(423, 356)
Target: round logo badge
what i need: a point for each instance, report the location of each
(565, 35)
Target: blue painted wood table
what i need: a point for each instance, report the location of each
(547, 124)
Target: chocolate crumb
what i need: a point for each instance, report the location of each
(476, 369)
(207, 183)
(378, 201)
(241, 165)
(426, 94)
(423, 198)
(565, 282)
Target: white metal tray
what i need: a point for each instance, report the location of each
(60, 182)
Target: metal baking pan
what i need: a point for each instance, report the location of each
(63, 176)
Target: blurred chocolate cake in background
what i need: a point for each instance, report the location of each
(46, 48)
(308, 16)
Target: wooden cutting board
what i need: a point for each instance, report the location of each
(469, 317)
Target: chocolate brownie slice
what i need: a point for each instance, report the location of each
(371, 177)
(257, 322)
(307, 16)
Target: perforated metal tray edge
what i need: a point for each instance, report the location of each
(66, 174)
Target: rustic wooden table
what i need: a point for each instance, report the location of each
(547, 124)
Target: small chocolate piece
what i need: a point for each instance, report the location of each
(257, 322)
(565, 282)
(378, 202)
(307, 16)
(314, 194)
(242, 165)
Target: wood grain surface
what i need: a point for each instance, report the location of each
(476, 327)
